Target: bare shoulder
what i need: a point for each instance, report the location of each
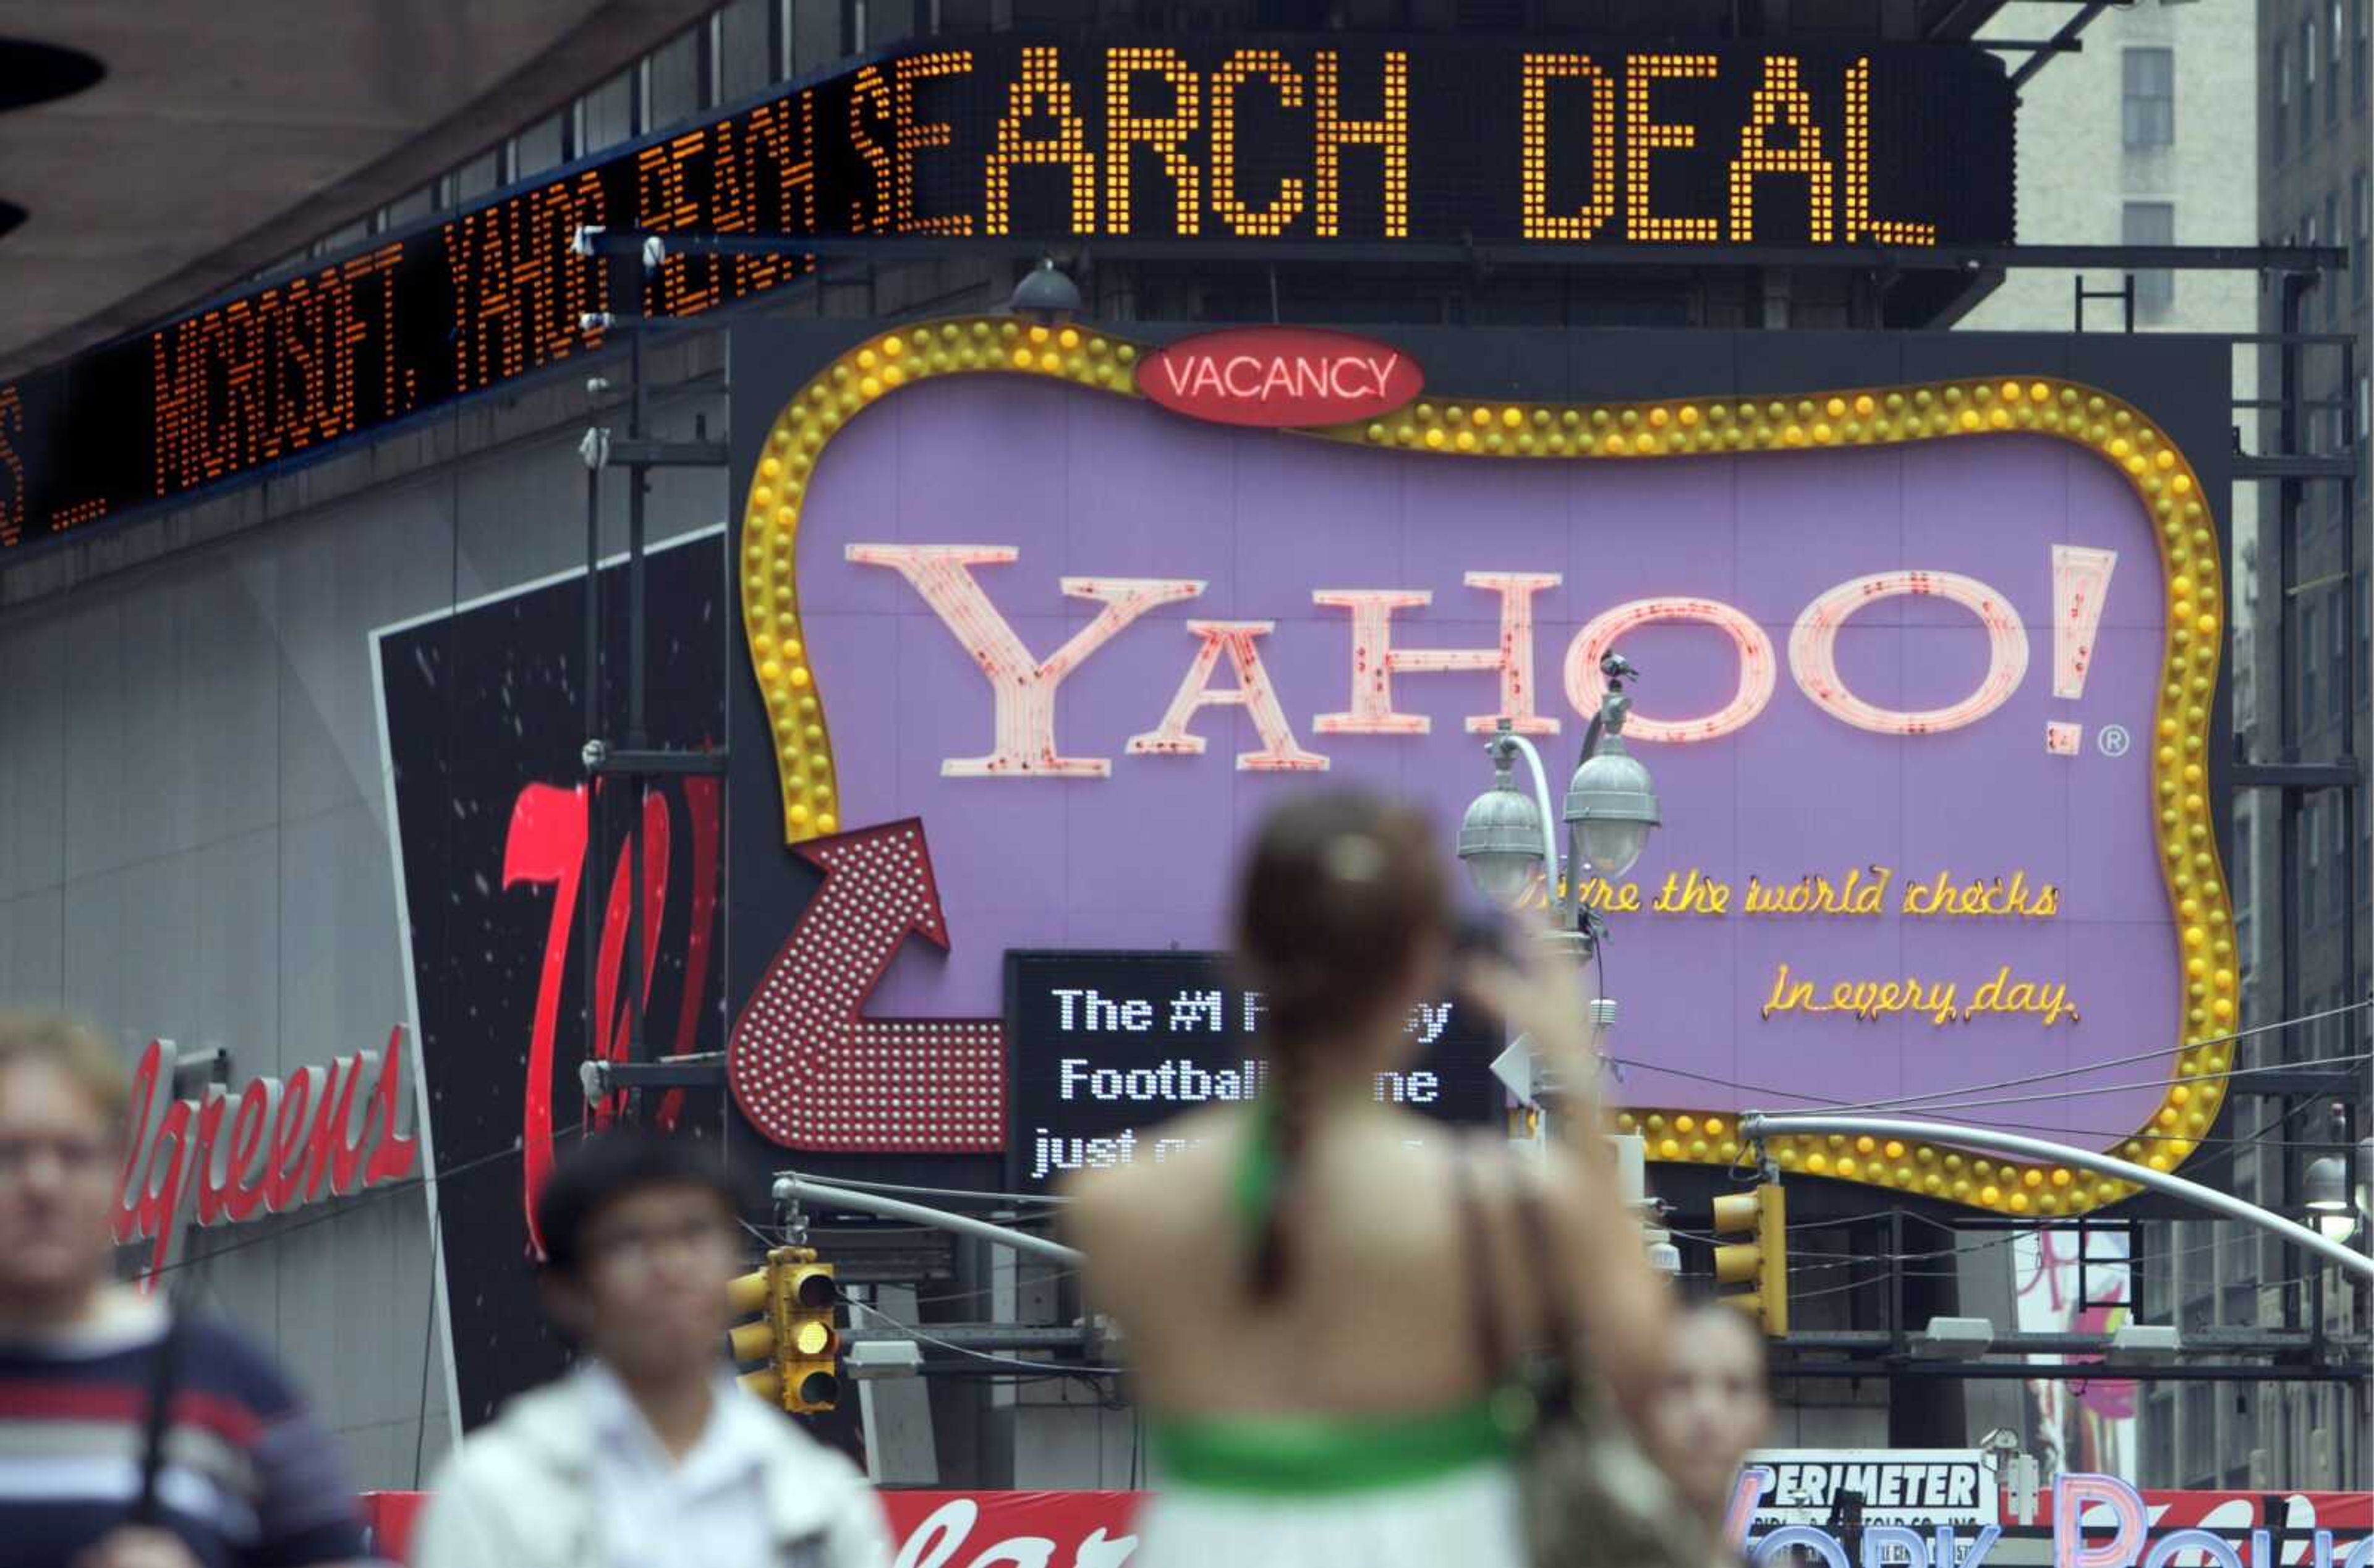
(1159, 1182)
(1514, 1179)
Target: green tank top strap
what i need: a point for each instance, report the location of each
(1259, 1161)
(1302, 1454)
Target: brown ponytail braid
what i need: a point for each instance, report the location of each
(1341, 891)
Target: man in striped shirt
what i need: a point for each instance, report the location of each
(243, 1477)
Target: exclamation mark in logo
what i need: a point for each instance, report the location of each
(2081, 583)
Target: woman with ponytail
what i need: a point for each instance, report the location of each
(1314, 1289)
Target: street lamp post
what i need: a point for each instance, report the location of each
(2326, 1197)
(1506, 839)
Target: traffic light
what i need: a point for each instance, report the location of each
(794, 1338)
(1761, 1262)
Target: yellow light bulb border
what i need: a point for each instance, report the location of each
(2163, 479)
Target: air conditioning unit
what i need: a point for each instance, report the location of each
(1950, 1338)
(2144, 1344)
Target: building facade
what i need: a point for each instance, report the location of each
(2302, 860)
(2183, 124)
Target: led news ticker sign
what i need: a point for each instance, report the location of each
(1253, 142)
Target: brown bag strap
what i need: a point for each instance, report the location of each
(1476, 1249)
(1556, 1297)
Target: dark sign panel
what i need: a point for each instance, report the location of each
(1251, 142)
(1108, 1046)
(497, 839)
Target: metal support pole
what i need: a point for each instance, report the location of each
(589, 907)
(1508, 738)
(2066, 40)
(1758, 1126)
(2352, 874)
(1896, 1334)
(2289, 491)
(790, 1187)
(638, 737)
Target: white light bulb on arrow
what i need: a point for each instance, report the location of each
(805, 1023)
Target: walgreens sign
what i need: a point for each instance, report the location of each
(276, 1144)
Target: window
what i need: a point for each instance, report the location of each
(2334, 288)
(408, 209)
(2200, 1436)
(2332, 88)
(2339, 884)
(609, 113)
(472, 179)
(2357, 65)
(2308, 76)
(676, 80)
(2311, 837)
(2159, 1445)
(2147, 111)
(2238, 1255)
(2279, 123)
(2359, 218)
(541, 147)
(2150, 223)
(2271, 1246)
(2340, 618)
(2307, 655)
(746, 49)
(2246, 873)
(2361, 596)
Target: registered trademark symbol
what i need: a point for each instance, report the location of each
(2113, 740)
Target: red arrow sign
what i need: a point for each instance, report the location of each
(806, 1065)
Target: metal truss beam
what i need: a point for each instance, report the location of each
(1405, 252)
(2083, 1372)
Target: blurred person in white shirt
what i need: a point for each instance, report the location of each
(648, 1454)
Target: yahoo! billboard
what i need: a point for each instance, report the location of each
(1930, 632)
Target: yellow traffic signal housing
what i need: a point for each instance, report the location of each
(1762, 1262)
(794, 1337)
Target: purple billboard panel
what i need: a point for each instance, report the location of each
(1927, 675)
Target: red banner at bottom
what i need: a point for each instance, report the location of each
(934, 1530)
(1093, 1530)
(1027, 1530)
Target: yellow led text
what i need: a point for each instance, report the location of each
(1937, 1000)
(1996, 899)
(1694, 894)
(1818, 896)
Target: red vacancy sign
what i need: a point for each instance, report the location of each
(1280, 376)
